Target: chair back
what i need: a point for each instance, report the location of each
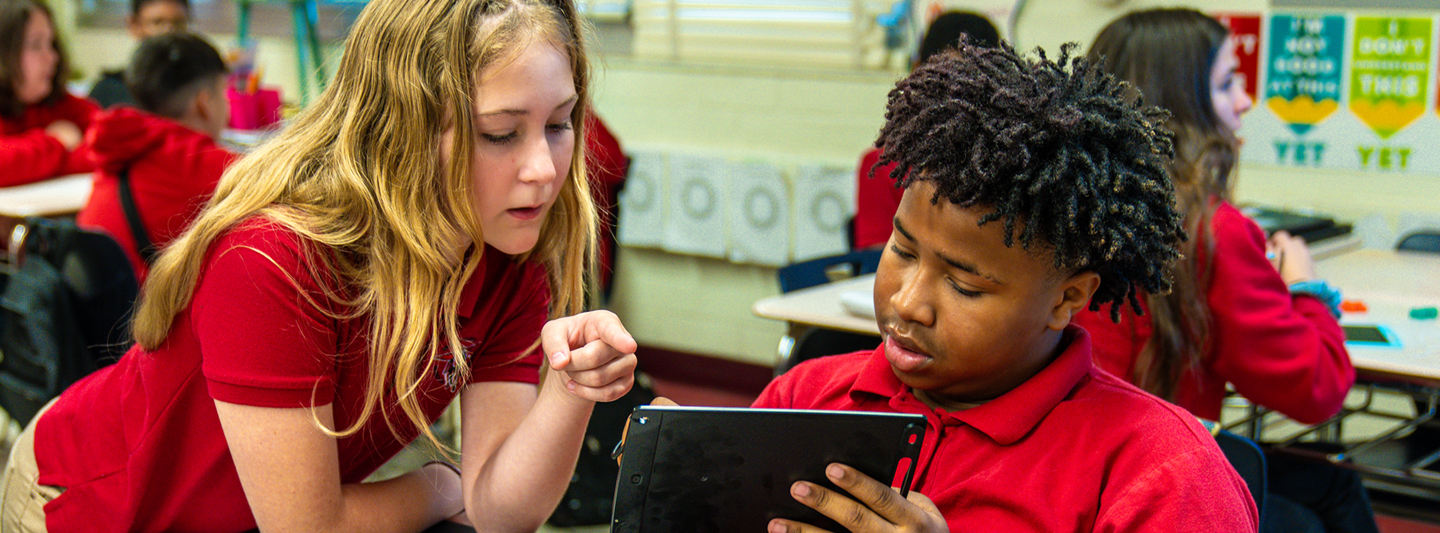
(1421, 241)
(823, 270)
(1249, 461)
(820, 342)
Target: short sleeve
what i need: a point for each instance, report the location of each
(265, 339)
(511, 351)
(1196, 490)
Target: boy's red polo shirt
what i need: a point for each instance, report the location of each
(1071, 449)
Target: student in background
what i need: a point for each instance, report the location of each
(148, 18)
(166, 148)
(1266, 325)
(876, 196)
(398, 245)
(41, 125)
(999, 239)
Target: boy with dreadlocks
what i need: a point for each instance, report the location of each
(1031, 187)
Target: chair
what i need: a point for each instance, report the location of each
(1421, 241)
(823, 270)
(65, 304)
(1246, 458)
(1428, 241)
(811, 343)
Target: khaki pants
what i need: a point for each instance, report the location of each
(22, 508)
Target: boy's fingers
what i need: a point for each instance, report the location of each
(879, 498)
(850, 514)
(661, 400)
(781, 525)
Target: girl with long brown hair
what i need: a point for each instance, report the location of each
(1244, 309)
(41, 124)
(402, 243)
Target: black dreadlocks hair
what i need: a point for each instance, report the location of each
(1065, 152)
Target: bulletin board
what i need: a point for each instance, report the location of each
(1341, 90)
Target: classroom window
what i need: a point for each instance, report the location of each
(219, 17)
(832, 33)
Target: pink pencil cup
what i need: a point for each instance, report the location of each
(253, 111)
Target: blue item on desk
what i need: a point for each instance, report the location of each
(1423, 313)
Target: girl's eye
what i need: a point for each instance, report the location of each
(499, 139)
(557, 128)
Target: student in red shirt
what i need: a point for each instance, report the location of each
(399, 245)
(166, 148)
(1267, 326)
(876, 196)
(41, 124)
(1031, 187)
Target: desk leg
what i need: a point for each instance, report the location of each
(786, 350)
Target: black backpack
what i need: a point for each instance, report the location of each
(65, 307)
(588, 500)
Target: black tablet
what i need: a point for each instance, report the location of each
(708, 469)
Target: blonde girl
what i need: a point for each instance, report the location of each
(402, 243)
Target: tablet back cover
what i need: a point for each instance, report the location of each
(688, 469)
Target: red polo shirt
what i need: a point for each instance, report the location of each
(138, 444)
(28, 154)
(1071, 449)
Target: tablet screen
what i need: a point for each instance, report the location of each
(689, 469)
(1367, 335)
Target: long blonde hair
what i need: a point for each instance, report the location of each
(359, 174)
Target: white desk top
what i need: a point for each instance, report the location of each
(1389, 283)
(59, 196)
(820, 306)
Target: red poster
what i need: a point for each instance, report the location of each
(1245, 31)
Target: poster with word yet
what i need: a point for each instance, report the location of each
(1345, 91)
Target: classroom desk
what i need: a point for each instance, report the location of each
(64, 195)
(1390, 284)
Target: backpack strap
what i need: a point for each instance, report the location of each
(143, 245)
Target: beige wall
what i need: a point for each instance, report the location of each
(97, 49)
(703, 305)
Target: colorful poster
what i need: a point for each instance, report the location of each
(1390, 72)
(1303, 76)
(1245, 31)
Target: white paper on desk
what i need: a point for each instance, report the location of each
(824, 202)
(695, 201)
(642, 202)
(758, 214)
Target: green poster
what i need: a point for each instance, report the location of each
(1390, 71)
